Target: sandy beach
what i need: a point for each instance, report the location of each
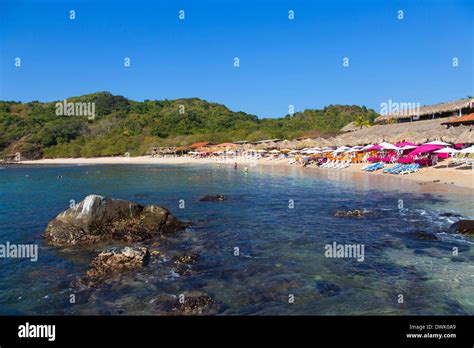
(441, 175)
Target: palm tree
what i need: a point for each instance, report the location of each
(360, 121)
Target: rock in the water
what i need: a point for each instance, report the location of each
(194, 305)
(328, 289)
(463, 227)
(449, 214)
(423, 235)
(112, 262)
(186, 259)
(182, 263)
(97, 218)
(351, 213)
(212, 198)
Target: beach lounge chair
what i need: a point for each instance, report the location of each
(411, 169)
(375, 167)
(345, 165)
(327, 163)
(371, 167)
(395, 167)
(400, 169)
(459, 159)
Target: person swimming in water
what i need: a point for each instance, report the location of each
(235, 165)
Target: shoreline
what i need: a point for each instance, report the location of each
(439, 175)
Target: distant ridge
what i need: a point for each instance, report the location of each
(121, 125)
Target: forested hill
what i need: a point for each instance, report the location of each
(121, 125)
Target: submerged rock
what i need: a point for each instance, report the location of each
(182, 263)
(115, 261)
(186, 259)
(351, 213)
(449, 214)
(212, 198)
(326, 288)
(420, 235)
(97, 218)
(463, 227)
(195, 305)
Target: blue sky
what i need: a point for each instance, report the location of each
(282, 61)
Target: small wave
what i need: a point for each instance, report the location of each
(172, 275)
(449, 237)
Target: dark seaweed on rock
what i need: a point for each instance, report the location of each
(97, 218)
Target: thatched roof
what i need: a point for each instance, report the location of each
(417, 132)
(429, 110)
(466, 137)
(350, 127)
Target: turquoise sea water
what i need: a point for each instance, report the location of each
(281, 249)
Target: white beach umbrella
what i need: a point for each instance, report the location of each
(388, 146)
(342, 149)
(275, 151)
(467, 150)
(437, 142)
(447, 150)
(367, 147)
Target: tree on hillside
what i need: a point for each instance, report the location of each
(361, 122)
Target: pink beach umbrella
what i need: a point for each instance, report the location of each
(405, 143)
(374, 148)
(424, 149)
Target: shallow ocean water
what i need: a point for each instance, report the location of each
(281, 249)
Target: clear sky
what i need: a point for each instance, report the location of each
(282, 61)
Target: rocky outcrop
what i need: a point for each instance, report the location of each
(463, 227)
(212, 198)
(351, 213)
(112, 262)
(98, 218)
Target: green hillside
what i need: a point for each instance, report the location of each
(121, 125)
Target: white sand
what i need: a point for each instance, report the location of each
(441, 175)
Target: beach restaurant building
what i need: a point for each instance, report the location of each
(456, 108)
